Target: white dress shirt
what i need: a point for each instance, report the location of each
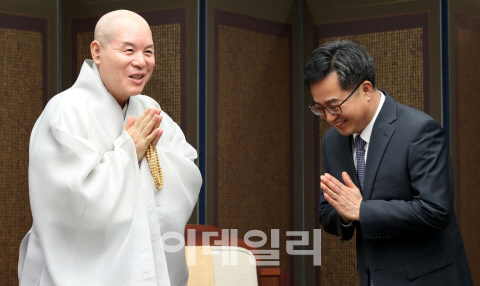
(367, 132)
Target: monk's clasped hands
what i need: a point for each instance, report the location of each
(144, 130)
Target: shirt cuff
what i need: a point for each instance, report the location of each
(347, 225)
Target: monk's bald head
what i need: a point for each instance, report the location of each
(123, 53)
(108, 25)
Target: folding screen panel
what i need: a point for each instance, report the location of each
(23, 90)
(253, 127)
(467, 134)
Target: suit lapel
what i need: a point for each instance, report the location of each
(381, 134)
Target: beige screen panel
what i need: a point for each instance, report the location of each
(23, 93)
(83, 49)
(253, 132)
(467, 43)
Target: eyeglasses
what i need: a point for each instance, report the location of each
(320, 110)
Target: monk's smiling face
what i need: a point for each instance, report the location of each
(124, 53)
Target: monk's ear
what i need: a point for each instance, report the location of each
(95, 48)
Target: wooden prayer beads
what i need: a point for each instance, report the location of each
(154, 164)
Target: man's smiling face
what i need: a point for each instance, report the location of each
(355, 114)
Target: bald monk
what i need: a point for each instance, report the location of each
(98, 217)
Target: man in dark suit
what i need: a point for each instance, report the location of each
(397, 189)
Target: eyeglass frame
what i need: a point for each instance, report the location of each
(316, 111)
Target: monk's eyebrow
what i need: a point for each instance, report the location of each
(126, 44)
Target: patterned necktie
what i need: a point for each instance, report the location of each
(360, 152)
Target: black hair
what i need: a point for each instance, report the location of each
(349, 60)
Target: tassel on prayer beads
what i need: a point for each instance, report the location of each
(154, 164)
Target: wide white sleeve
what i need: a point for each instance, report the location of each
(176, 201)
(84, 203)
(182, 178)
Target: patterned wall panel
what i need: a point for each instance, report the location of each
(467, 62)
(34, 2)
(168, 82)
(399, 46)
(92, 1)
(23, 90)
(83, 50)
(253, 127)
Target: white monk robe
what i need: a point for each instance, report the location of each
(97, 216)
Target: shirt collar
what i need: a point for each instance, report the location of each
(367, 132)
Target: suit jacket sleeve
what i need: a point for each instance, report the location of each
(431, 204)
(330, 220)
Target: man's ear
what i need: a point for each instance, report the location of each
(95, 48)
(367, 89)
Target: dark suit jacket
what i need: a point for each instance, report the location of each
(407, 233)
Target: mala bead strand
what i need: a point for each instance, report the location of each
(154, 164)
(160, 174)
